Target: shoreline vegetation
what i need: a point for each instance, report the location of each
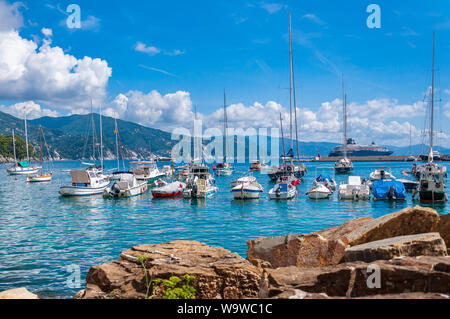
(408, 248)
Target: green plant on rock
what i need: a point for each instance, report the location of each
(148, 277)
(177, 288)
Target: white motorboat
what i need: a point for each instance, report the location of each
(248, 190)
(320, 191)
(146, 171)
(199, 184)
(355, 189)
(249, 178)
(326, 179)
(343, 166)
(380, 173)
(85, 183)
(285, 188)
(126, 186)
(257, 166)
(223, 169)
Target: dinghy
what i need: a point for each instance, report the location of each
(168, 190)
(320, 191)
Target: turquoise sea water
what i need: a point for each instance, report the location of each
(42, 234)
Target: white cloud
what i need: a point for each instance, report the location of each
(46, 74)
(47, 32)
(447, 91)
(313, 18)
(272, 8)
(32, 110)
(10, 16)
(141, 47)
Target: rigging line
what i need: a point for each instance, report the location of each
(295, 105)
(290, 81)
(48, 150)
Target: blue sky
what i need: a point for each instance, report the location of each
(165, 57)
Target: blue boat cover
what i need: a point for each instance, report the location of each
(381, 189)
(283, 188)
(323, 177)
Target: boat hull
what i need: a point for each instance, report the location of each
(39, 179)
(432, 196)
(17, 171)
(69, 191)
(283, 195)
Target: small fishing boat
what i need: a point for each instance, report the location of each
(223, 169)
(257, 166)
(146, 171)
(247, 178)
(431, 185)
(283, 189)
(320, 191)
(85, 183)
(388, 189)
(168, 190)
(248, 190)
(381, 173)
(199, 184)
(42, 177)
(355, 189)
(126, 186)
(344, 165)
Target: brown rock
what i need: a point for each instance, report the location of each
(218, 272)
(430, 244)
(424, 274)
(340, 232)
(296, 250)
(408, 221)
(443, 228)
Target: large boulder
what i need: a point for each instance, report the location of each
(18, 293)
(430, 244)
(443, 228)
(319, 249)
(218, 272)
(408, 221)
(424, 274)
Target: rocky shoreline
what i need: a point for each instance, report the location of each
(400, 255)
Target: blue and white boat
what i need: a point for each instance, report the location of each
(388, 189)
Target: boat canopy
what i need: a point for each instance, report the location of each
(354, 180)
(382, 188)
(80, 177)
(323, 177)
(24, 164)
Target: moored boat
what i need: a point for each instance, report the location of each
(257, 166)
(146, 171)
(320, 191)
(199, 184)
(381, 173)
(41, 177)
(126, 186)
(283, 190)
(388, 189)
(85, 183)
(169, 190)
(248, 190)
(355, 189)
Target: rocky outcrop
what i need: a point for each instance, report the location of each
(430, 244)
(319, 249)
(19, 293)
(408, 221)
(443, 228)
(397, 276)
(218, 272)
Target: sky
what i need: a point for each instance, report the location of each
(154, 63)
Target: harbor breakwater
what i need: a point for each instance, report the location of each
(407, 252)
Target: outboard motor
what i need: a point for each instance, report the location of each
(194, 189)
(115, 190)
(391, 193)
(382, 174)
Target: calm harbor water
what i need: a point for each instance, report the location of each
(42, 234)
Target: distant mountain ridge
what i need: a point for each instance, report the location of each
(70, 137)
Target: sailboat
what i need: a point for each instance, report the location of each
(23, 167)
(344, 165)
(298, 171)
(90, 181)
(42, 177)
(224, 169)
(431, 175)
(118, 174)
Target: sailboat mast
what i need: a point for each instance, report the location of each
(282, 141)
(40, 141)
(295, 105)
(117, 143)
(101, 138)
(93, 134)
(432, 103)
(26, 137)
(14, 148)
(290, 80)
(225, 125)
(344, 109)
